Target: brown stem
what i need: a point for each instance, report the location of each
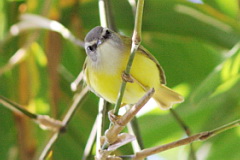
(201, 136)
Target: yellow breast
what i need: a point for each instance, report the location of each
(107, 83)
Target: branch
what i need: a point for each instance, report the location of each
(133, 128)
(102, 114)
(136, 40)
(76, 82)
(133, 5)
(16, 108)
(45, 121)
(112, 138)
(31, 21)
(90, 142)
(18, 57)
(65, 121)
(106, 16)
(186, 129)
(201, 136)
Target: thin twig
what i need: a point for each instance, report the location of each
(201, 136)
(16, 108)
(90, 142)
(31, 21)
(76, 82)
(102, 112)
(180, 122)
(106, 20)
(133, 5)
(192, 154)
(18, 57)
(136, 40)
(133, 128)
(48, 147)
(120, 123)
(65, 121)
(106, 16)
(77, 100)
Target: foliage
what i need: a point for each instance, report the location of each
(197, 45)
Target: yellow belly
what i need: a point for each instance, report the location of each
(144, 70)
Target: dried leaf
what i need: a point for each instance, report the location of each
(123, 139)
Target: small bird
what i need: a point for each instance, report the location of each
(107, 56)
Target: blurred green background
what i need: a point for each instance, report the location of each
(196, 43)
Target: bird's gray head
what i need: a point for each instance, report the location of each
(97, 37)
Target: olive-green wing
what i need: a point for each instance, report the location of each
(161, 71)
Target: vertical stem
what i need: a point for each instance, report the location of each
(90, 142)
(106, 16)
(133, 129)
(133, 5)
(136, 40)
(192, 155)
(106, 20)
(100, 123)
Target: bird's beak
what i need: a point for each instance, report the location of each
(99, 42)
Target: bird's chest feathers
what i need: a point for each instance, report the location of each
(110, 59)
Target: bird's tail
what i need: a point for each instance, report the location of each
(165, 97)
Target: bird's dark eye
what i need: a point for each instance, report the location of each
(107, 34)
(90, 48)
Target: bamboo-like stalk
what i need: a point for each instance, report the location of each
(112, 133)
(106, 20)
(136, 40)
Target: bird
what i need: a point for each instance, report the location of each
(107, 56)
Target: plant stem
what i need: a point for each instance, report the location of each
(136, 40)
(16, 108)
(192, 155)
(100, 123)
(106, 16)
(201, 136)
(90, 142)
(133, 128)
(65, 121)
(106, 20)
(221, 129)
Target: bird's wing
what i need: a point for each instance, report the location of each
(161, 71)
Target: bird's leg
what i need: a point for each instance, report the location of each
(127, 77)
(131, 79)
(113, 118)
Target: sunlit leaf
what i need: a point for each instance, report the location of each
(230, 8)
(223, 78)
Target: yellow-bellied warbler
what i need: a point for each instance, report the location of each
(107, 56)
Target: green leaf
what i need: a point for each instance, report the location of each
(222, 79)
(230, 8)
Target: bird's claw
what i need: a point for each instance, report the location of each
(127, 77)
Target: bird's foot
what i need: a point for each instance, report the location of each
(114, 118)
(127, 77)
